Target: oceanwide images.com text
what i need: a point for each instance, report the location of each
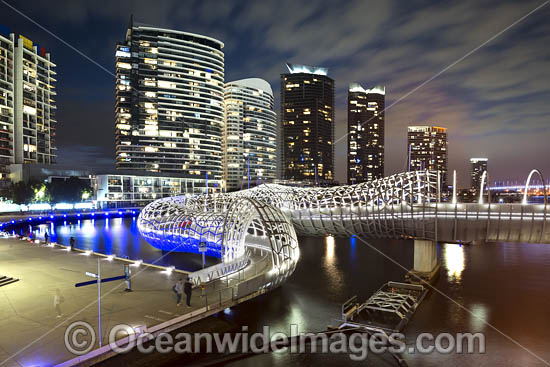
(80, 339)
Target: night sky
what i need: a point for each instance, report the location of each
(495, 102)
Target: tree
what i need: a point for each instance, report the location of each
(41, 193)
(70, 190)
(25, 192)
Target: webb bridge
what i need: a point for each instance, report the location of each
(258, 227)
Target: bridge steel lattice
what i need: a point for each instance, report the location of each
(405, 205)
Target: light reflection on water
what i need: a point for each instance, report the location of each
(453, 256)
(505, 285)
(118, 236)
(329, 241)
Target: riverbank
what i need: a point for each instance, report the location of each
(33, 334)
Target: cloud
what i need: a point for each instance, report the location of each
(494, 103)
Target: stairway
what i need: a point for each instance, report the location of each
(7, 280)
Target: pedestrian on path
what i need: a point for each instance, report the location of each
(72, 241)
(188, 289)
(178, 289)
(57, 301)
(46, 237)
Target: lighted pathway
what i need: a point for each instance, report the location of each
(31, 334)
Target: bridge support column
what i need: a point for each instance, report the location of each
(426, 265)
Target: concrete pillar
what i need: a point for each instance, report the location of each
(425, 256)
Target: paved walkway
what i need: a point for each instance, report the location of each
(30, 332)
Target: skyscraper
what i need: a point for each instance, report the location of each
(27, 105)
(307, 124)
(479, 165)
(169, 102)
(365, 133)
(250, 133)
(427, 149)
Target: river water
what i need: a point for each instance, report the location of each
(499, 289)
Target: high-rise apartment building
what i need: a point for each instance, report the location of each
(27, 105)
(307, 124)
(169, 102)
(479, 165)
(250, 134)
(7, 124)
(427, 150)
(365, 133)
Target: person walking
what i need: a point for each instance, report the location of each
(188, 289)
(72, 241)
(46, 238)
(57, 300)
(178, 289)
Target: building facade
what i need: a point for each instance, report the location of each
(307, 124)
(479, 165)
(135, 190)
(27, 104)
(169, 102)
(365, 133)
(7, 124)
(427, 150)
(250, 134)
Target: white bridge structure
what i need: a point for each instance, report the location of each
(260, 225)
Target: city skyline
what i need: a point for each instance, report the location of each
(472, 99)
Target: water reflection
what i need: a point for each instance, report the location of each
(352, 242)
(329, 242)
(453, 255)
(331, 264)
(113, 235)
(478, 317)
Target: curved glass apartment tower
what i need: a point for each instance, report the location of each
(169, 102)
(250, 133)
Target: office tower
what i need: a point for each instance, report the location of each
(250, 133)
(479, 165)
(365, 133)
(169, 102)
(427, 150)
(27, 105)
(307, 124)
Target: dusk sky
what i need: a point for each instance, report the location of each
(495, 102)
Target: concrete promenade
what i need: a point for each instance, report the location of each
(32, 334)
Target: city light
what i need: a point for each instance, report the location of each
(63, 206)
(40, 206)
(137, 263)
